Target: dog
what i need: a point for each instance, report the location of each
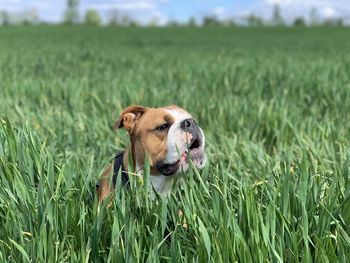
(168, 136)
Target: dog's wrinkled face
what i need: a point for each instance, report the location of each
(169, 136)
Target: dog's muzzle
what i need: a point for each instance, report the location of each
(193, 150)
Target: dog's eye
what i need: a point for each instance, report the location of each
(163, 127)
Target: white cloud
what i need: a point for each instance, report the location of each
(131, 5)
(328, 12)
(220, 11)
(281, 2)
(161, 19)
(139, 5)
(13, 6)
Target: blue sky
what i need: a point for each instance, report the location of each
(181, 10)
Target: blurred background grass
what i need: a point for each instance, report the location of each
(273, 103)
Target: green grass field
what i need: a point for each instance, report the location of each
(274, 104)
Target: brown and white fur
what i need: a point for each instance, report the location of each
(168, 136)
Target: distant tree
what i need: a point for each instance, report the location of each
(125, 20)
(71, 15)
(133, 23)
(253, 20)
(113, 19)
(153, 22)
(34, 16)
(299, 21)
(192, 21)
(173, 23)
(277, 19)
(118, 19)
(29, 17)
(314, 20)
(333, 22)
(92, 18)
(340, 22)
(211, 21)
(4, 18)
(229, 22)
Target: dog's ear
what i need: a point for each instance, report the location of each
(129, 117)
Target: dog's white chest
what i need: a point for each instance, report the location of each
(162, 184)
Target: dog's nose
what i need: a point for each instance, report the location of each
(187, 124)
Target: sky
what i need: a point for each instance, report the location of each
(182, 10)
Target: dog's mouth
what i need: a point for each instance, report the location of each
(168, 169)
(195, 144)
(194, 152)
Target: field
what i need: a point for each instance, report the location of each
(274, 104)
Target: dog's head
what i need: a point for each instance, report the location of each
(169, 136)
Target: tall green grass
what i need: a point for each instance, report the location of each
(274, 106)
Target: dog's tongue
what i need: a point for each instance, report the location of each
(196, 155)
(184, 158)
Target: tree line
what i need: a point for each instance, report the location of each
(91, 17)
